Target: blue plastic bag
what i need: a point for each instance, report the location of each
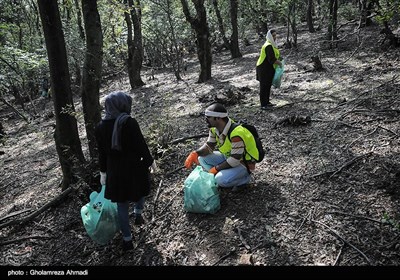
(201, 192)
(100, 218)
(276, 81)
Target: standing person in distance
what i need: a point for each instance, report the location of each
(125, 161)
(268, 61)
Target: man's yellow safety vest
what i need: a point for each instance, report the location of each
(248, 139)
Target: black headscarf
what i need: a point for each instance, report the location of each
(118, 106)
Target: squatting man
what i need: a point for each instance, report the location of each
(227, 150)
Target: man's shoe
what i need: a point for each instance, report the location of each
(127, 245)
(139, 220)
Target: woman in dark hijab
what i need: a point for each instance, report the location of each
(124, 160)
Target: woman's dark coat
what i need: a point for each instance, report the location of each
(128, 169)
(265, 71)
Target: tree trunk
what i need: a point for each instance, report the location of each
(332, 27)
(200, 26)
(221, 24)
(396, 15)
(178, 61)
(66, 133)
(365, 7)
(135, 45)
(393, 40)
(91, 74)
(263, 14)
(320, 15)
(334, 19)
(234, 46)
(310, 23)
(129, 42)
(2, 133)
(293, 23)
(79, 20)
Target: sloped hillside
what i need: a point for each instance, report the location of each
(327, 193)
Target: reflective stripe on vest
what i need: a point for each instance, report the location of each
(248, 139)
(263, 54)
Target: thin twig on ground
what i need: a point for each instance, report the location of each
(165, 207)
(173, 171)
(242, 239)
(224, 257)
(15, 110)
(155, 199)
(384, 128)
(182, 139)
(336, 121)
(338, 255)
(362, 136)
(358, 47)
(347, 164)
(365, 92)
(344, 240)
(301, 225)
(356, 216)
(15, 214)
(22, 238)
(29, 217)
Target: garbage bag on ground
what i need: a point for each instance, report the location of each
(201, 192)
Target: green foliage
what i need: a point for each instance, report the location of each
(21, 69)
(164, 26)
(387, 10)
(159, 134)
(390, 220)
(164, 29)
(114, 34)
(6, 30)
(348, 11)
(23, 59)
(69, 110)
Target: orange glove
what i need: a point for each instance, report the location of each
(213, 170)
(192, 158)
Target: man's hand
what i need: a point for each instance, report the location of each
(103, 177)
(213, 170)
(192, 158)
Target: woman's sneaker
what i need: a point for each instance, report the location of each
(139, 220)
(127, 245)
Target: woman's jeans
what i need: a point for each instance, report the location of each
(226, 178)
(123, 215)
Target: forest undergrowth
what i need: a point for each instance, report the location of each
(327, 192)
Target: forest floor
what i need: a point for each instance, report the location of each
(326, 194)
